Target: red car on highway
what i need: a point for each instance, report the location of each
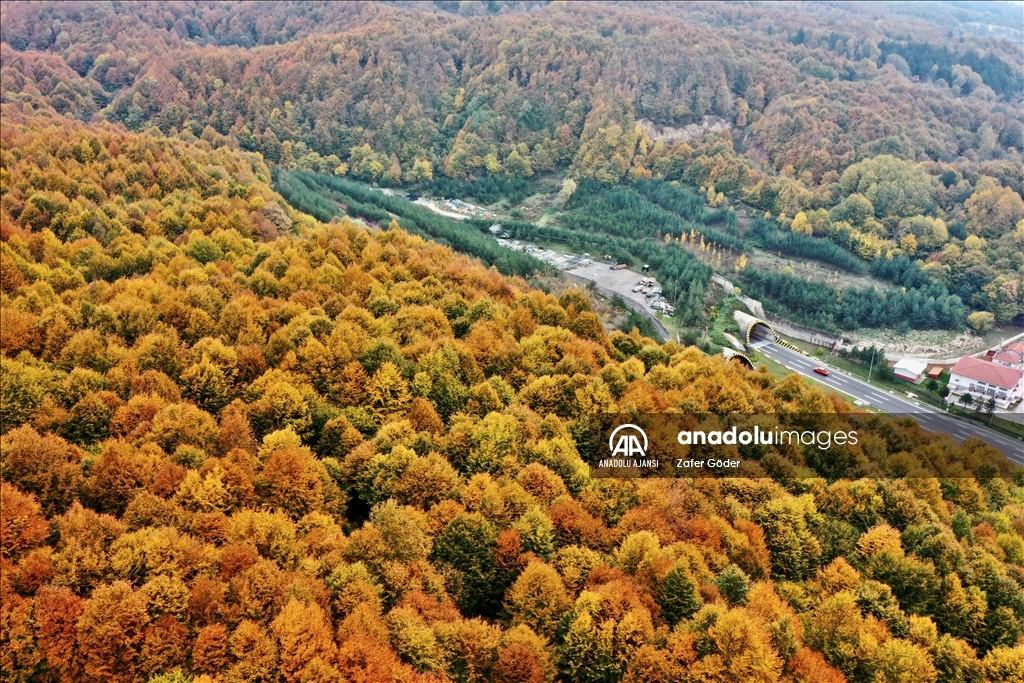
(821, 371)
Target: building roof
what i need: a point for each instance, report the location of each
(1007, 357)
(910, 365)
(1016, 346)
(988, 372)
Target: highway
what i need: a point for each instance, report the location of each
(930, 418)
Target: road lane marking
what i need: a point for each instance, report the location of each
(889, 402)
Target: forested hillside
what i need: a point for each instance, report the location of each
(656, 224)
(240, 444)
(889, 131)
(246, 439)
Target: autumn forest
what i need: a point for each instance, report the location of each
(260, 423)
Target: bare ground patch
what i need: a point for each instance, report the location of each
(611, 316)
(813, 270)
(936, 344)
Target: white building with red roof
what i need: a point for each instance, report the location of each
(1011, 355)
(983, 379)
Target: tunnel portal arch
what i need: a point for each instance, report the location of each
(761, 330)
(743, 360)
(755, 329)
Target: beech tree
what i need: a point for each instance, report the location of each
(111, 630)
(22, 525)
(537, 599)
(305, 641)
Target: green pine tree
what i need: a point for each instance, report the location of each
(678, 597)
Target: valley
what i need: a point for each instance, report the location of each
(435, 342)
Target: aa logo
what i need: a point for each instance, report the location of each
(627, 444)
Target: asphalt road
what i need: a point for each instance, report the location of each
(930, 418)
(631, 304)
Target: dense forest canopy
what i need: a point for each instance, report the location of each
(888, 133)
(244, 445)
(246, 439)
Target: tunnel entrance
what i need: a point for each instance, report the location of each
(743, 360)
(760, 331)
(754, 329)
